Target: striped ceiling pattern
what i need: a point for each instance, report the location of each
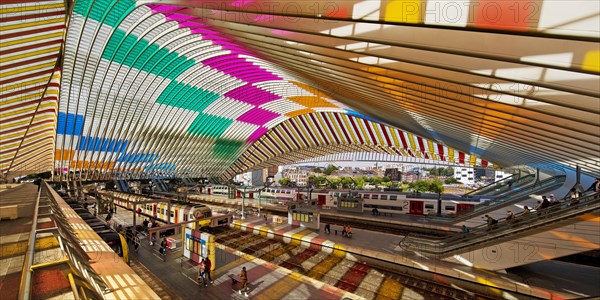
(513, 82)
(180, 86)
(323, 133)
(32, 34)
(149, 90)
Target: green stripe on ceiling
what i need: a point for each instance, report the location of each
(209, 125)
(82, 7)
(186, 97)
(131, 51)
(226, 148)
(116, 12)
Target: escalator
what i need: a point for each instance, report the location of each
(560, 230)
(503, 186)
(160, 185)
(509, 198)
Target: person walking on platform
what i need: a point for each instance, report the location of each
(163, 246)
(348, 231)
(202, 272)
(243, 282)
(327, 228)
(207, 269)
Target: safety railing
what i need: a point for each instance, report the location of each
(494, 186)
(520, 223)
(509, 198)
(25, 287)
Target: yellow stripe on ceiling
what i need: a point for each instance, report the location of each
(336, 125)
(305, 133)
(472, 159)
(7, 58)
(23, 84)
(23, 97)
(413, 145)
(450, 154)
(27, 69)
(32, 39)
(28, 25)
(296, 136)
(394, 134)
(366, 137)
(324, 127)
(378, 133)
(432, 149)
(308, 120)
(32, 6)
(350, 129)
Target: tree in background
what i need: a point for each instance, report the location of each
(285, 182)
(450, 180)
(329, 170)
(318, 170)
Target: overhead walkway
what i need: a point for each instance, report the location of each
(560, 230)
(502, 186)
(516, 194)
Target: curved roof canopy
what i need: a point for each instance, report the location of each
(216, 88)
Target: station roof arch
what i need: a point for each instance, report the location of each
(194, 87)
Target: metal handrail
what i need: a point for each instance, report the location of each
(487, 186)
(520, 223)
(25, 287)
(515, 195)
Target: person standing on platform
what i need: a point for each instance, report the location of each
(163, 246)
(243, 282)
(327, 228)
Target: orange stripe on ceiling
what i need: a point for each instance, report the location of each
(311, 101)
(64, 154)
(311, 89)
(299, 112)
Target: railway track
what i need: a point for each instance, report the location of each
(370, 281)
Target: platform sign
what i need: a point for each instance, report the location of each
(304, 217)
(198, 244)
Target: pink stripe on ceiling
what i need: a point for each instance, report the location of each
(163, 8)
(257, 134)
(240, 68)
(257, 116)
(251, 94)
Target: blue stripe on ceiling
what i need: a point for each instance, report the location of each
(69, 124)
(101, 144)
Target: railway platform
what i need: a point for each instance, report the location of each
(176, 274)
(363, 245)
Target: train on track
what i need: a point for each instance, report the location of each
(392, 202)
(173, 212)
